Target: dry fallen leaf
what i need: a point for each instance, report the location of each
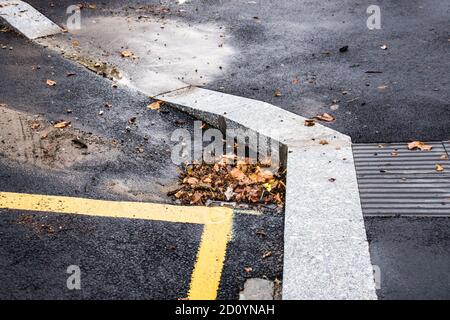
(419, 145)
(248, 269)
(267, 254)
(384, 47)
(243, 181)
(34, 125)
(444, 157)
(310, 122)
(439, 168)
(155, 105)
(51, 83)
(197, 198)
(323, 142)
(126, 54)
(62, 124)
(237, 174)
(383, 87)
(5, 29)
(191, 180)
(325, 117)
(277, 93)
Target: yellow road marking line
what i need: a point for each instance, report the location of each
(210, 259)
(211, 254)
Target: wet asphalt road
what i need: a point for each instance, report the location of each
(413, 254)
(279, 41)
(119, 258)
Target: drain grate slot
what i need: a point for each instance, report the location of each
(396, 181)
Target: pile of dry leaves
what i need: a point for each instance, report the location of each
(239, 181)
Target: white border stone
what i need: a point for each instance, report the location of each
(26, 19)
(326, 254)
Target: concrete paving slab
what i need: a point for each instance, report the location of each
(257, 289)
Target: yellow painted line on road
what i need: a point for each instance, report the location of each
(211, 254)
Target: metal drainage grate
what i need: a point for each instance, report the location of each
(396, 181)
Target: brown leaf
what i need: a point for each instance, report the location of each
(265, 175)
(325, 117)
(51, 83)
(191, 181)
(127, 54)
(196, 198)
(277, 93)
(267, 254)
(444, 157)
(34, 125)
(323, 142)
(61, 124)
(238, 174)
(419, 145)
(179, 194)
(439, 168)
(155, 105)
(310, 122)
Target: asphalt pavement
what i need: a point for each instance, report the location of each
(102, 155)
(413, 255)
(395, 93)
(390, 95)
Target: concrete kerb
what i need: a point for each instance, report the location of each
(326, 254)
(27, 20)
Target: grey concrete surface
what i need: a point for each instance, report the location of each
(257, 289)
(27, 20)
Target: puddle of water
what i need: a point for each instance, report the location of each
(169, 54)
